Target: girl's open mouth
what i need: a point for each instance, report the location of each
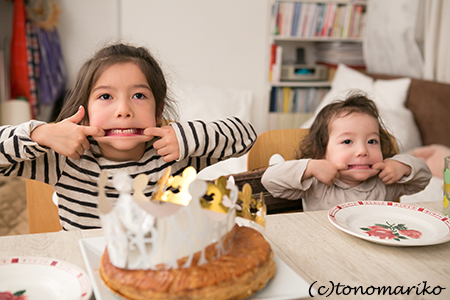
(359, 167)
(124, 132)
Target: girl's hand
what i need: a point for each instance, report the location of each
(167, 145)
(391, 170)
(323, 170)
(67, 137)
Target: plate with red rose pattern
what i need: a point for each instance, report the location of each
(391, 223)
(46, 278)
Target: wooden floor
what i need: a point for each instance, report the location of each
(13, 206)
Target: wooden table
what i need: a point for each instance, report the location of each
(324, 255)
(311, 246)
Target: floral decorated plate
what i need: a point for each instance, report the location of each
(27, 278)
(391, 223)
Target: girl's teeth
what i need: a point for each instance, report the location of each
(124, 131)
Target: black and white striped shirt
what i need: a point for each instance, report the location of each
(75, 181)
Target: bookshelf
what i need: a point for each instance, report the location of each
(310, 33)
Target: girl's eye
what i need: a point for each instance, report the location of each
(139, 96)
(373, 141)
(347, 142)
(105, 97)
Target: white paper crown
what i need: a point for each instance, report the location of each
(174, 227)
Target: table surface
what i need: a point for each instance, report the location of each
(319, 252)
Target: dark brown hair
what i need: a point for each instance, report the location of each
(314, 145)
(92, 69)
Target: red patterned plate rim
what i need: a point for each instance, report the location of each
(369, 232)
(69, 268)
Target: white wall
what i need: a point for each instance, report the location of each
(84, 25)
(223, 43)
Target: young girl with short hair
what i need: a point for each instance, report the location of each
(114, 120)
(348, 155)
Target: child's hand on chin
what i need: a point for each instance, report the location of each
(67, 137)
(167, 144)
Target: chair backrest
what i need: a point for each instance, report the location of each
(42, 212)
(285, 142)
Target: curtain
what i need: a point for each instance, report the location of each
(390, 45)
(19, 84)
(437, 41)
(408, 38)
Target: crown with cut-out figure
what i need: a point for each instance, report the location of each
(173, 228)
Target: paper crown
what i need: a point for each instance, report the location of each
(174, 227)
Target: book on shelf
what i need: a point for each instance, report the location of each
(296, 18)
(288, 16)
(276, 54)
(295, 100)
(305, 19)
(331, 10)
(347, 18)
(274, 19)
(357, 21)
(333, 53)
(313, 26)
(319, 20)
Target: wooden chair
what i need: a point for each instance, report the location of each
(285, 142)
(42, 212)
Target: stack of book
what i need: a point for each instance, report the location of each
(295, 100)
(302, 19)
(333, 53)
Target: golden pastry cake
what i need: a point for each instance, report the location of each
(240, 273)
(184, 242)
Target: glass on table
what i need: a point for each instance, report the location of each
(447, 186)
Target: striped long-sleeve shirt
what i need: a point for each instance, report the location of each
(75, 181)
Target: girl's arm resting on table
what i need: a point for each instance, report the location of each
(218, 140)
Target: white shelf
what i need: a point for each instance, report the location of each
(295, 41)
(301, 84)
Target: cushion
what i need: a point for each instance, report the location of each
(430, 102)
(390, 97)
(211, 103)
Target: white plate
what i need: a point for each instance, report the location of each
(44, 278)
(391, 223)
(285, 285)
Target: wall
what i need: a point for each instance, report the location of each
(84, 26)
